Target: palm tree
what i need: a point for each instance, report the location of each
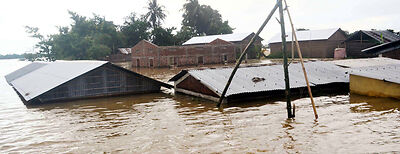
(156, 13)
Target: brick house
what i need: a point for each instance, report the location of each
(313, 43)
(147, 54)
(240, 40)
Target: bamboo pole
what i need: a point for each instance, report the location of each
(285, 63)
(302, 62)
(244, 53)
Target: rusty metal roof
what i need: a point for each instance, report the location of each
(383, 48)
(355, 63)
(272, 77)
(378, 35)
(390, 73)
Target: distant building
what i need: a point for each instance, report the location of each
(41, 82)
(313, 43)
(239, 39)
(363, 39)
(390, 50)
(123, 55)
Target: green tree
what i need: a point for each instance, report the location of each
(134, 30)
(44, 45)
(163, 37)
(204, 19)
(184, 34)
(156, 13)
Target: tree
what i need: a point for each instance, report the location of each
(204, 19)
(185, 34)
(163, 37)
(44, 44)
(134, 30)
(156, 13)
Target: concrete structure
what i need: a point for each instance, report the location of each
(147, 54)
(41, 82)
(390, 50)
(363, 39)
(376, 81)
(313, 43)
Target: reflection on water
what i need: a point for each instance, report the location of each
(162, 123)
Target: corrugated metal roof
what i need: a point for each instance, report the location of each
(355, 63)
(306, 35)
(318, 72)
(383, 48)
(40, 77)
(385, 34)
(125, 51)
(390, 73)
(207, 39)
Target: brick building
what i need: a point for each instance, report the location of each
(313, 43)
(147, 54)
(240, 40)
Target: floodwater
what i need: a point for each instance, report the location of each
(163, 123)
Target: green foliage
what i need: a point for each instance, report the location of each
(163, 37)
(185, 34)
(11, 56)
(45, 43)
(134, 30)
(156, 13)
(204, 19)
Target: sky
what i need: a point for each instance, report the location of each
(243, 15)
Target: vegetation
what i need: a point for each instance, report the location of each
(96, 37)
(11, 56)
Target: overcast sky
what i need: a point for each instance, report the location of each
(243, 15)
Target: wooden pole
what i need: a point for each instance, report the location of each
(302, 62)
(244, 53)
(285, 63)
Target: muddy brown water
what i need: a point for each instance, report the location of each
(163, 123)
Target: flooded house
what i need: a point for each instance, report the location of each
(389, 50)
(313, 43)
(376, 81)
(123, 55)
(259, 82)
(41, 82)
(240, 40)
(364, 39)
(147, 54)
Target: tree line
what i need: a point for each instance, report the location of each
(95, 37)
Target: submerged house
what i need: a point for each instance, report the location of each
(389, 50)
(261, 81)
(41, 82)
(313, 43)
(377, 81)
(364, 39)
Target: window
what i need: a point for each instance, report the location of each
(151, 62)
(200, 60)
(137, 63)
(224, 58)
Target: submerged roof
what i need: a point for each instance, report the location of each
(319, 73)
(306, 35)
(355, 63)
(383, 48)
(227, 37)
(389, 73)
(39, 77)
